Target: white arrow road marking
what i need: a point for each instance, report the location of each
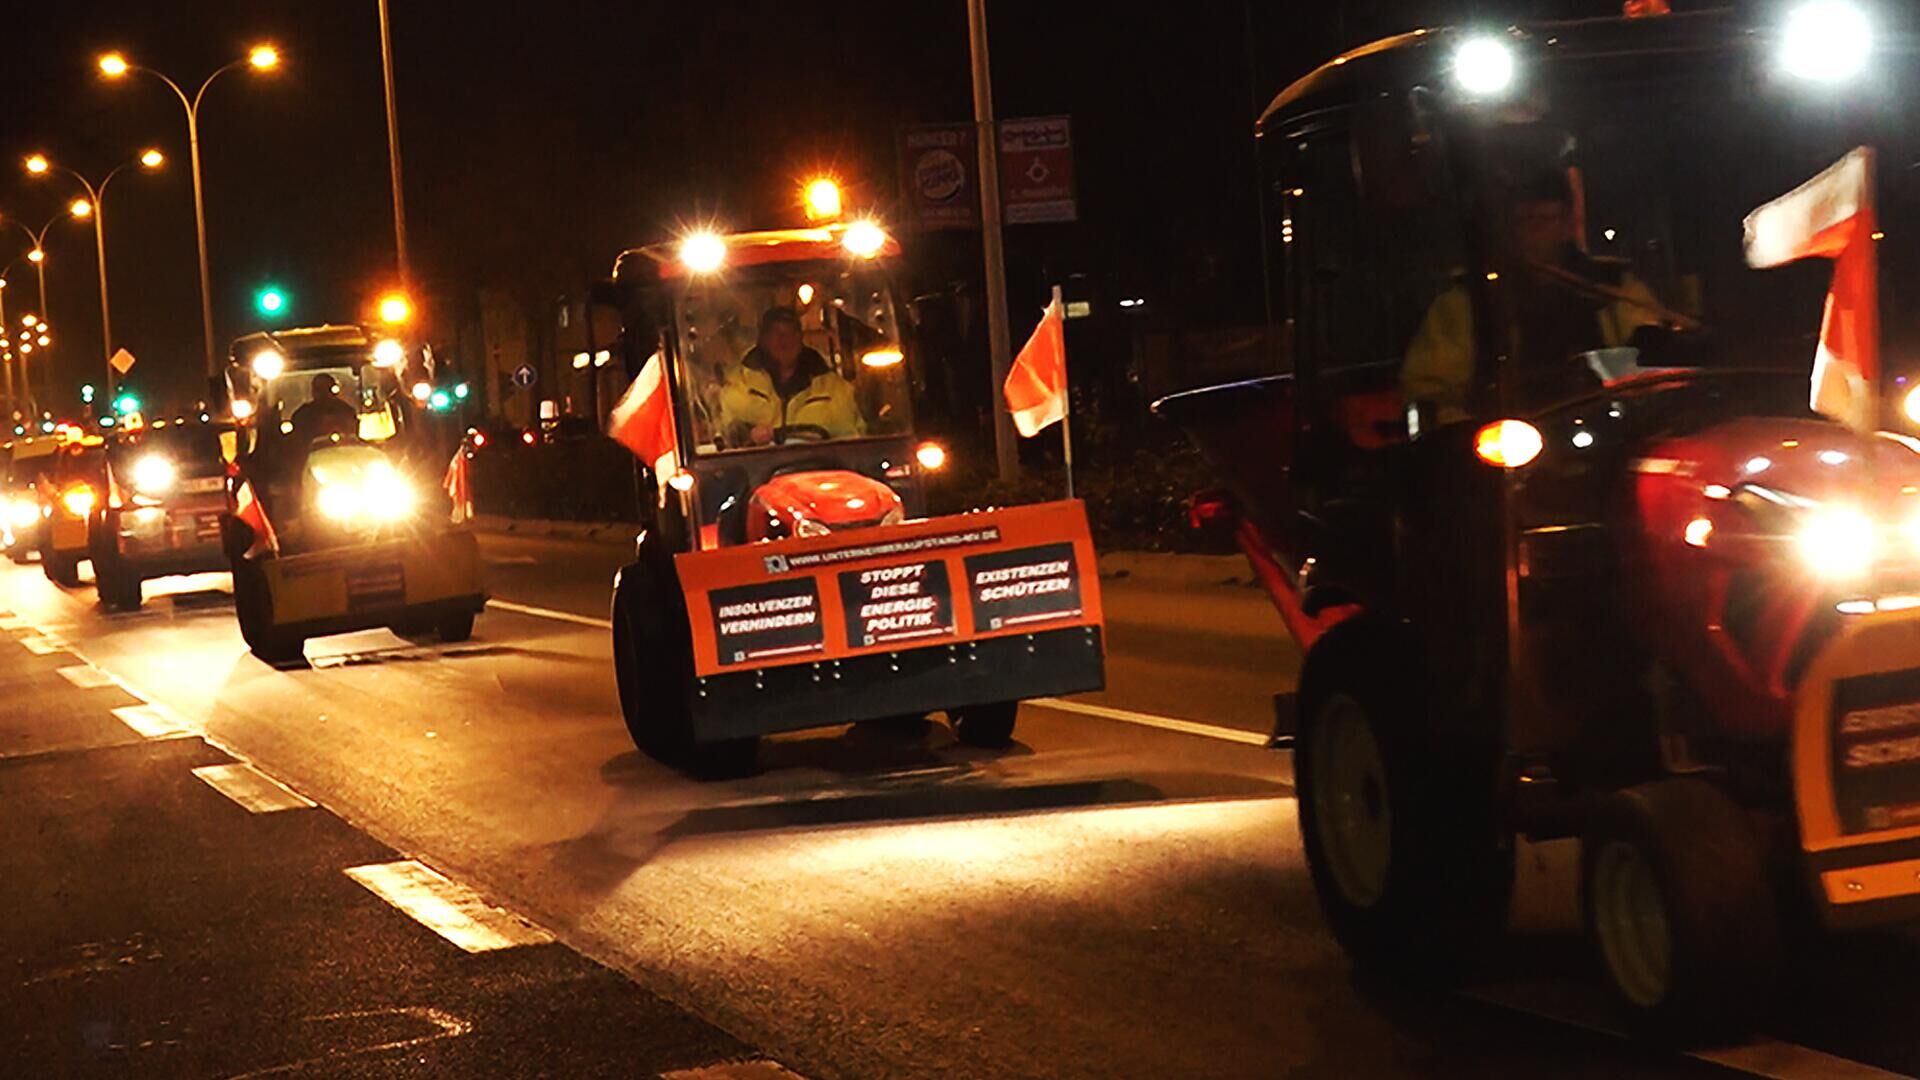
(446, 907)
(251, 788)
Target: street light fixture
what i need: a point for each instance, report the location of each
(263, 57)
(92, 207)
(37, 255)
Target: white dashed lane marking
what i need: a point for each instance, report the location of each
(86, 676)
(251, 788)
(447, 908)
(149, 721)
(43, 644)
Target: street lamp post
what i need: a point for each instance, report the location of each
(37, 255)
(94, 206)
(261, 58)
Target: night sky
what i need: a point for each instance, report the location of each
(541, 139)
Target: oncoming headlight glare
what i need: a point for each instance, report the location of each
(153, 474)
(1838, 542)
(703, 252)
(864, 239)
(268, 364)
(1483, 66)
(1825, 41)
(388, 353)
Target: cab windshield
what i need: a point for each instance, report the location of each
(790, 353)
(371, 393)
(1623, 209)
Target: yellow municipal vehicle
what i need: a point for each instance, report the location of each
(70, 491)
(336, 518)
(22, 524)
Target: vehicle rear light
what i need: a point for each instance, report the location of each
(1507, 444)
(1210, 510)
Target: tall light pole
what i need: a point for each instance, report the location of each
(37, 255)
(393, 154)
(94, 206)
(261, 57)
(1006, 448)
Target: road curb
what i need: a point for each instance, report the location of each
(1147, 567)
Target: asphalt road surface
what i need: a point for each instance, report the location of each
(1120, 894)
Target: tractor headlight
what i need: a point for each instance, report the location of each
(78, 500)
(22, 513)
(153, 475)
(1838, 543)
(387, 496)
(381, 495)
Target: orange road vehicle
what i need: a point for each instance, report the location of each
(788, 578)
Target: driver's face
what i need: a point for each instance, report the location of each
(1543, 231)
(783, 343)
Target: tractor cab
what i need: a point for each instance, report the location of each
(791, 380)
(1589, 487)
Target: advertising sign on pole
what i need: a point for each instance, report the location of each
(937, 170)
(1036, 170)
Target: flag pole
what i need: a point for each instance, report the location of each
(1066, 411)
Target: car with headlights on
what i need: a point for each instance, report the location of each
(166, 492)
(69, 494)
(339, 514)
(24, 462)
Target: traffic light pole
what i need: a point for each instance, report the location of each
(393, 154)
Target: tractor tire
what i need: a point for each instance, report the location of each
(988, 726)
(254, 606)
(1682, 909)
(455, 628)
(653, 671)
(119, 589)
(62, 570)
(1409, 857)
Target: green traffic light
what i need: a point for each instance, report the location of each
(126, 403)
(440, 401)
(271, 300)
(86, 393)
(460, 391)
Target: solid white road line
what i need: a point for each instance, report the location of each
(549, 613)
(1164, 723)
(447, 908)
(43, 644)
(1787, 1061)
(149, 721)
(1127, 716)
(1759, 1056)
(251, 788)
(14, 622)
(760, 1069)
(85, 676)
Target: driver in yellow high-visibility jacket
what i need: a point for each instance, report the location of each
(1557, 320)
(781, 383)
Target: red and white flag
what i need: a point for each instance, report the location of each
(459, 486)
(1832, 217)
(642, 420)
(1036, 389)
(247, 508)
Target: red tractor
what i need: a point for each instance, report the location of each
(1543, 498)
(788, 577)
